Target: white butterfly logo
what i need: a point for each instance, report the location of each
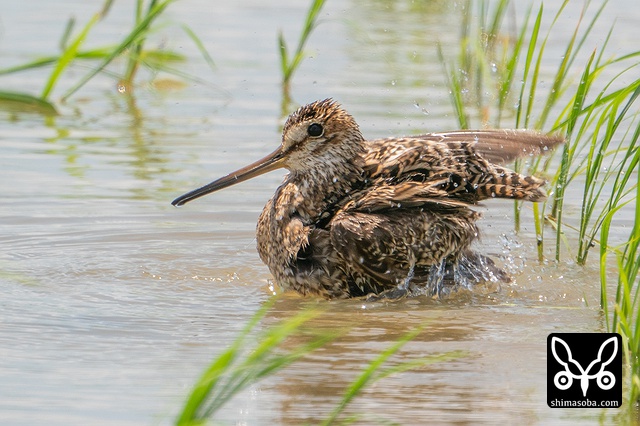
(564, 379)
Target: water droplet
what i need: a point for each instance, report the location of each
(423, 110)
(494, 67)
(407, 280)
(393, 82)
(122, 88)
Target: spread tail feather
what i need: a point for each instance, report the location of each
(504, 183)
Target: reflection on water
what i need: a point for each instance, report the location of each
(500, 375)
(113, 301)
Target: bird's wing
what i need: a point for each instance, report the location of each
(433, 195)
(501, 146)
(395, 155)
(463, 165)
(371, 246)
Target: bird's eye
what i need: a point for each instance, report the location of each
(315, 130)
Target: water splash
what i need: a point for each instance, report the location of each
(435, 282)
(513, 262)
(404, 285)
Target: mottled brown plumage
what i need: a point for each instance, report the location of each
(381, 217)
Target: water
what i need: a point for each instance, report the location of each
(113, 301)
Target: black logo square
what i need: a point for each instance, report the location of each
(584, 370)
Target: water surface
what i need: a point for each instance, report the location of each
(113, 301)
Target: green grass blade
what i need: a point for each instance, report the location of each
(536, 68)
(67, 56)
(309, 25)
(369, 374)
(537, 223)
(136, 47)
(598, 176)
(228, 375)
(496, 23)
(253, 369)
(284, 56)
(68, 30)
(203, 50)
(106, 7)
(587, 31)
(556, 88)
(139, 7)
(527, 67)
(604, 242)
(290, 66)
(205, 384)
(38, 63)
(26, 102)
(96, 53)
(567, 152)
(138, 31)
(202, 389)
(455, 91)
(154, 58)
(506, 82)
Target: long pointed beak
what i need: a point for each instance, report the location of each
(273, 161)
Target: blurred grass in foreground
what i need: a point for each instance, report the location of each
(277, 347)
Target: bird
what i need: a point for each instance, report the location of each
(382, 218)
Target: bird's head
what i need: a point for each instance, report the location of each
(317, 136)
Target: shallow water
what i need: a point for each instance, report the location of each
(113, 301)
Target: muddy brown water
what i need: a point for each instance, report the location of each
(113, 301)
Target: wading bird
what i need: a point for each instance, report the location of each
(385, 217)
